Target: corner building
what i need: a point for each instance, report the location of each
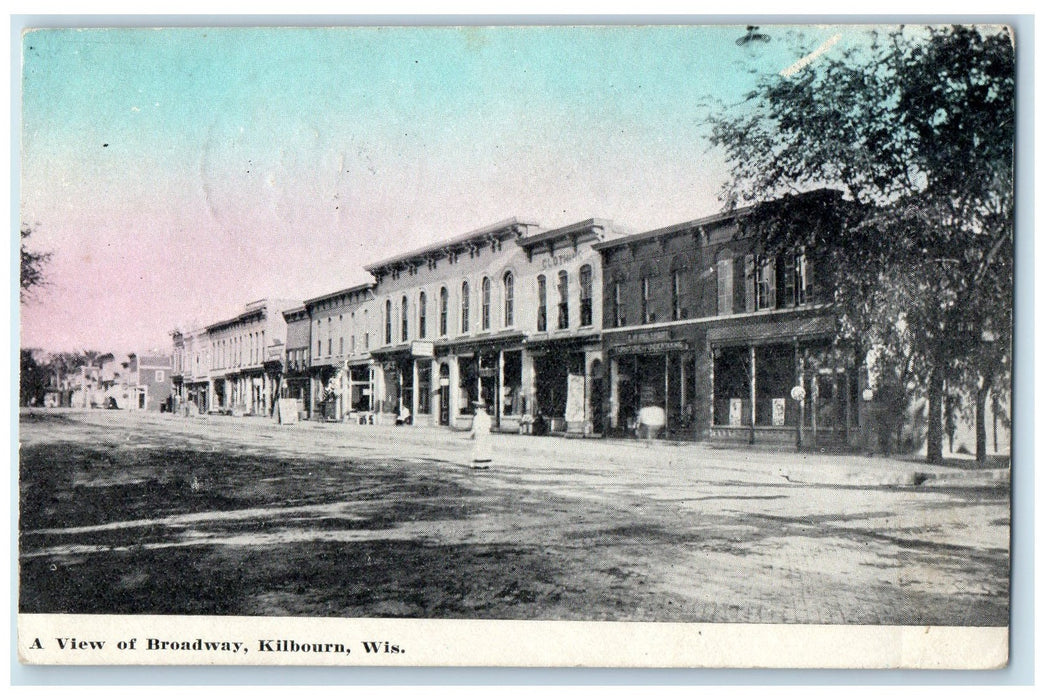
(699, 320)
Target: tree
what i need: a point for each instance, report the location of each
(32, 276)
(915, 132)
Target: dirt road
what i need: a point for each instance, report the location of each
(133, 513)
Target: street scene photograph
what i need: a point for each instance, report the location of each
(635, 324)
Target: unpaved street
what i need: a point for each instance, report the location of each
(133, 513)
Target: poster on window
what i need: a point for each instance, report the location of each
(574, 398)
(736, 410)
(779, 406)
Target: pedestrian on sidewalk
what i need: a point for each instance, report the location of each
(481, 427)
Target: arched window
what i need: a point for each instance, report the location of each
(388, 321)
(542, 303)
(422, 310)
(486, 304)
(464, 307)
(509, 299)
(444, 309)
(586, 312)
(564, 299)
(405, 317)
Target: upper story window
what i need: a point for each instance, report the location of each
(330, 338)
(485, 314)
(404, 320)
(388, 321)
(366, 329)
(803, 280)
(509, 299)
(619, 317)
(766, 283)
(647, 313)
(464, 307)
(586, 303)
(676, 295)
(725, 287)
(422, 312)
(542, 303)
(564, 299)
(444, 310)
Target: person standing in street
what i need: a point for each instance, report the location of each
(481, 426)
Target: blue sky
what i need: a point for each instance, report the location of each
(179, 173)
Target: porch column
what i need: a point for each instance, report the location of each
(800, 368)
(751, 356)
(414, 394)
(711, 385)
(498, 397)
(614, 392)
(815, 393)
(455, 389)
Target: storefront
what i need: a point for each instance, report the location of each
(568, 384)
(659, 373)
(488, 370)
(782, 381)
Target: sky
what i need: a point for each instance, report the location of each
(177, 174)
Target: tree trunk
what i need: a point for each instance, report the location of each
(934, 419)
(981, 424)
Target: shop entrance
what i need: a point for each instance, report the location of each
(444, 394)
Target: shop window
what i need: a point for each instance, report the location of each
(444, 309)
(586, 304)
(509, 299)
(511, 393)
(725, 287)
(542, 303)
(464, 307)
(422, 311)
(424, 388)
(485, 312)
(564, 300)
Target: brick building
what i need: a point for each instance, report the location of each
(701, 322)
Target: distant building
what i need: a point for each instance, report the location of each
(149, 381)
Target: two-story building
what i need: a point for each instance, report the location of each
(246, 358)
(190, 371)
(699, 320)
(448, 330)
(340, 329)
(149, 381)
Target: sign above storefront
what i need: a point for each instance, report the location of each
(422, 348)
(651, 348)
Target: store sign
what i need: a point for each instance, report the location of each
(422, 348)
(651, 348)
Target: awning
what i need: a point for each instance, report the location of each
(772, 330)
(562, 343)
(482, 342)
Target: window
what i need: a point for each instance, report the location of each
(586, 311)
(676, 288)
(464, 307)
(330, 337)
(405, 317)
(647, 314)
(749, 283)
(388, 321)
(509, 299)
(444, 307)
(422, 311)
(485, 313)
(564, 299)
(542, 303)
(159, 375)
(352, 344)
(803, 292)
(366, 329)
(725, 287)
(766, 283)
(341, 345)
(619, 318)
